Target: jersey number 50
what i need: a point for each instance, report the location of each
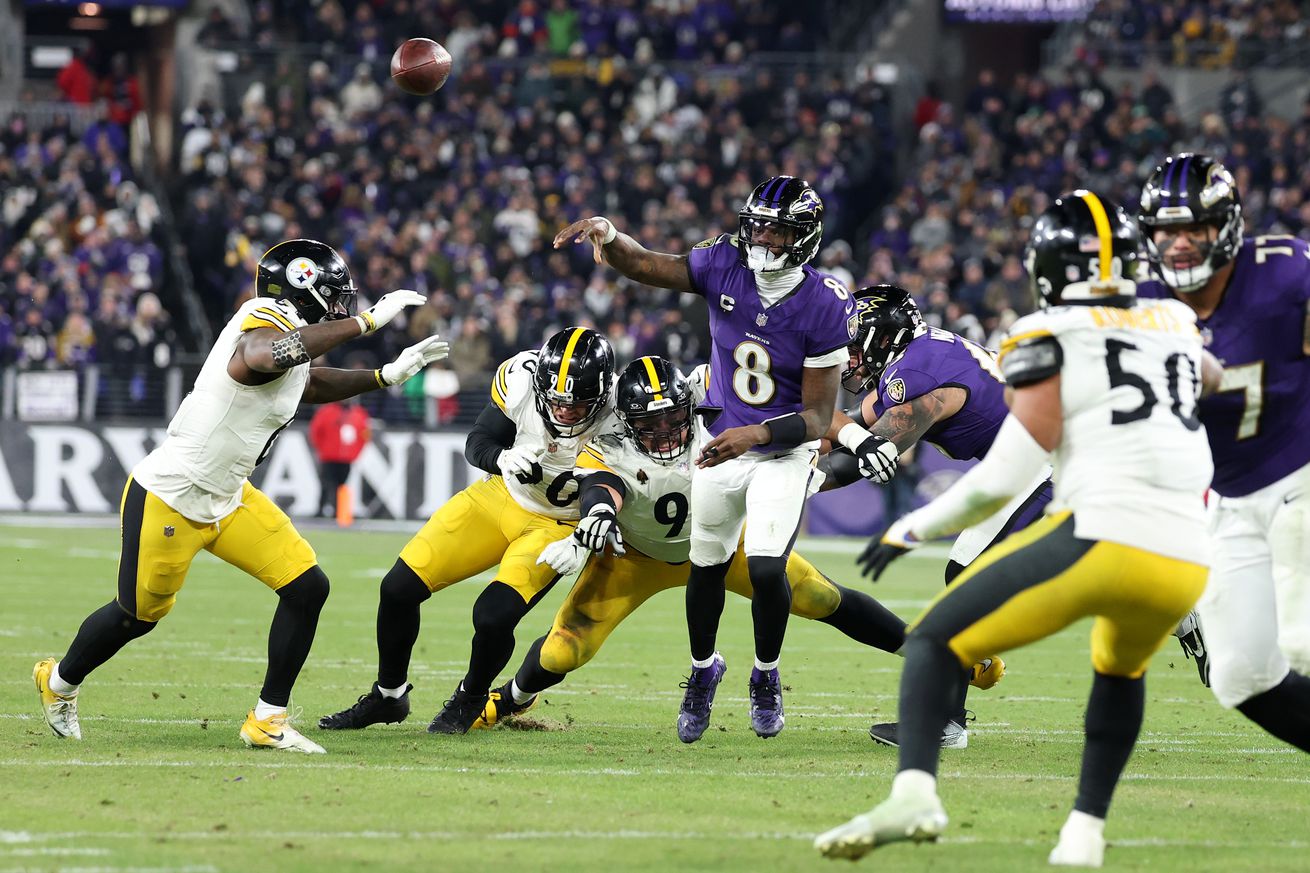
(1174, 366)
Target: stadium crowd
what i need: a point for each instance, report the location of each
(1218, 34)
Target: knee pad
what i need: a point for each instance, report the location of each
(767, 571)
(499, 607)
(815, 597)
(402, 585)
(309, 589)
(564, 651)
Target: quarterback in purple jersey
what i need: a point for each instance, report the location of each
(1251, 298)
(923, 384)
(779, 330)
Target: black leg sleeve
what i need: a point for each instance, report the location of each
(929, 687)
(498, 610)
(101, 635)
(770, 605)
(1283, 710)
(705, 596)
(292, 633)
(399, 599)
(865, 620)
(953, 569)
(533, 678)
(1114, 717)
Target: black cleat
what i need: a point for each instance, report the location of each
(954, 735)
(371, 708)
(461, 710)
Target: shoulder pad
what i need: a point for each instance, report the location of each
(1029, 358)
(511, 378)
(265, 312)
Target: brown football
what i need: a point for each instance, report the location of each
(420, 66)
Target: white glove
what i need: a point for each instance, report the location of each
(598, 527)
(415, 358)
(388, 308)
(516, 461)
(878, 456)
(565, 556)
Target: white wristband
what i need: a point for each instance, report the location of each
(609, 234)
(852, 435)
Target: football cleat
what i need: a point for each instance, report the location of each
(275, 732)
(895, 820)
(501, 707)
(986, 673)
(1079, 846)
(459, 713)
(698, 701)
(371, 708)
(766, 703)
(954, 736)
(60, 712)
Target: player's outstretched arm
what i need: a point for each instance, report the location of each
(626, 255)
(327, 384)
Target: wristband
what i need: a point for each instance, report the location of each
(366, 323)
(382, 383)
(609, 234)
(787, 429)
(852, 435)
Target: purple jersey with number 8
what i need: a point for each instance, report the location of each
(758, 354)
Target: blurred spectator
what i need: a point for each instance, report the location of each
(338, 433)
(120, 92)
(77, 80)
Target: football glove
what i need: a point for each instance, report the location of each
(517, 462)
(878, 457)
(1193, 643)
(565, 556)
(387, 308)
(881, 551)
(598, 527)
(413, 359)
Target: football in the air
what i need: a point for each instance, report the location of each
(420, 66)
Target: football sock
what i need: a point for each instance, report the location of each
(770, 605)
(101, 635)
(496, 613)
(292, 633)
(1283, 710)
(59, 686)
(263, 709)
(913, 783)
(867, 621)
(957, 712)
(765, 666)
(705, 596)
(394, 693)
(929, 688)
(702, 663)
(399, 598)
(1113, 719)
(520, 696)
(533, 678)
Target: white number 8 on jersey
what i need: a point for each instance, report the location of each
(751, 381)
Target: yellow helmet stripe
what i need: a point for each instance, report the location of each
(562, 381)
(654, 377)
(1103, 233)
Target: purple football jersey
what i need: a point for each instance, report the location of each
(1258, 420)
(940, 359)
(759, 354)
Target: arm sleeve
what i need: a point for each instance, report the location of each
(492, 433)
(1011, 463)
(840, 467)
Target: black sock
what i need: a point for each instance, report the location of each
(929, 688)
(498, 610)
(867, 621)
(292, 633)
(1283, 710)
(770, 605)
(101, 635)
(399, 599)
(705, 596)
(953, 569)
(1114, 717)
(533, 678)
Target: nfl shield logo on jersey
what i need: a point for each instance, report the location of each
(168, 530)
(761, 319)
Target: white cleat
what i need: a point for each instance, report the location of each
(275, 733)
(895, 820)
(60, 711)
(1079, 846)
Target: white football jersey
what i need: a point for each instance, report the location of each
(555, 494)
(1133, 462)
(654, 518)
(223, 429)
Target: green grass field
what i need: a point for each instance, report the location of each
(162, 781)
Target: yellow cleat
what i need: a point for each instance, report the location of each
(987, 673)
(60, 711)
(275, 733)
(500, 706)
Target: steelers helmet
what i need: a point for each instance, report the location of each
(1083, 250)
(888, 318)
(311, 275)
(1191, 188)
(653, 401)
(574, 367)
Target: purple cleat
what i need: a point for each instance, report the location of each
(766, 703)
(694, 717)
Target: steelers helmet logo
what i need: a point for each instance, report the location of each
(302, 273)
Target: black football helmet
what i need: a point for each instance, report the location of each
(575, 366)
(888, 319)
(789, 203)
(653, 400)
(311, 275)
(1190, 188)
(1083, 249)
